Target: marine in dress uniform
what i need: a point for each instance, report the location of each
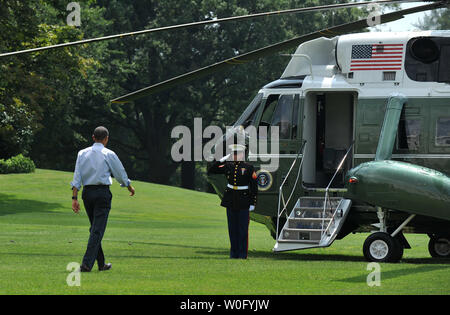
(239, 197)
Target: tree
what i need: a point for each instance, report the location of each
(435, 20)
(17, 116)
(70, 120)
(37, 89)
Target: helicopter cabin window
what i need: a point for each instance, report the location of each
(409, 131)
(248, 116)
(281, 111)
(443, 132)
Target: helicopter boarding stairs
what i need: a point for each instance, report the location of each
(314, 221)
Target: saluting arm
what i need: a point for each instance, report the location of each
(218, 166)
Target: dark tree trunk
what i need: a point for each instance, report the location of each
(188, 174)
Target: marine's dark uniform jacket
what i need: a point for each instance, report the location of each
(238, 174)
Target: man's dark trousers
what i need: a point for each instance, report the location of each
(97, 201)
(238, 222)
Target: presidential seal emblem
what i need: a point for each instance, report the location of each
(264, 180)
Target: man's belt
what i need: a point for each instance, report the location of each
(95, 186)
(237, 187)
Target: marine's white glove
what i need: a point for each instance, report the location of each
(251, 208)
(224, 158)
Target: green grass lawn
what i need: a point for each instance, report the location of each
(168, 240)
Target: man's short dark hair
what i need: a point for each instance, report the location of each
(100, 133)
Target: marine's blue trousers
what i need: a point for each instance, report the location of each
(238, 222)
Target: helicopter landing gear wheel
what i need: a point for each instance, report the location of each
(439, 247)
(381, 247)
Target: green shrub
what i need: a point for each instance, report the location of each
(17, 164)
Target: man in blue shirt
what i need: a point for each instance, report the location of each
(93, 170)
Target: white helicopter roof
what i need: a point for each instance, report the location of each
(373, 60)
(323, 56)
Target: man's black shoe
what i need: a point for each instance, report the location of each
(84, 268)
(105, 267)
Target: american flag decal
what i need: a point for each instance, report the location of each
(387, 57)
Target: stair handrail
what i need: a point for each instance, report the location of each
(327, 197)
(280, 191)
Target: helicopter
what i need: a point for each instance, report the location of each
(365, 134)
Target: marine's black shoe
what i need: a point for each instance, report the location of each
(105, 267)
(84, 268)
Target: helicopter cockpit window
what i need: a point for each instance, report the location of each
(248, 116)
(443, 132)
(409, 131)
(279, 112)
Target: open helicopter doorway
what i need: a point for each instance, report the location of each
(328, 130)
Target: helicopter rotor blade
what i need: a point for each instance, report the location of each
(212, 21)
(268, 50)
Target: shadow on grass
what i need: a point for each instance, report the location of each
(214, 251)
(10, 204)
(301, 256)
(428, 261)
(392, 274)
(297, 256)
(164, 244)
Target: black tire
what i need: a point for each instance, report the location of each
(439, 247)
(381, 247)
(399, 250)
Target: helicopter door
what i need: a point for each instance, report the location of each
(328, 130)
(282, 111)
